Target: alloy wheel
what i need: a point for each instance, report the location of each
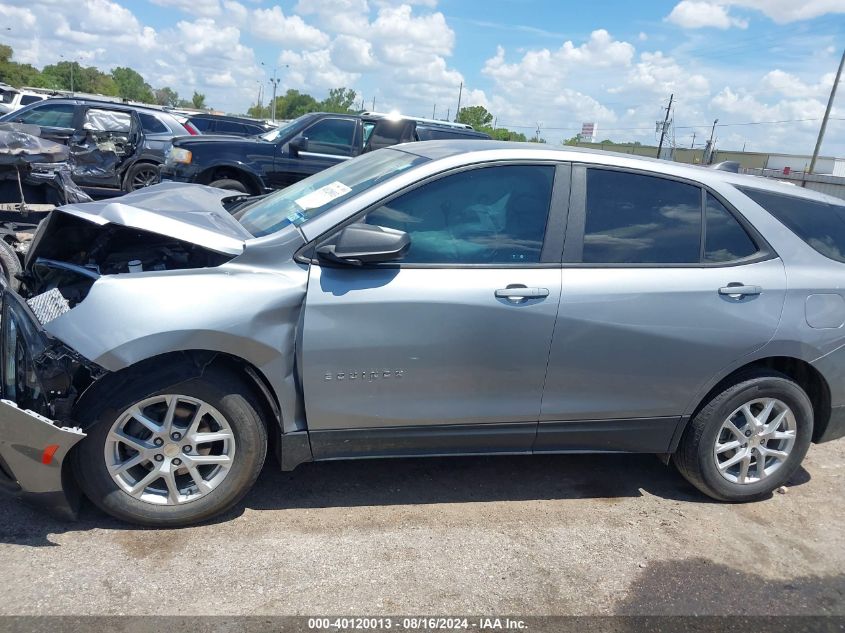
(755, 441)
(145, 178)
(169, 449)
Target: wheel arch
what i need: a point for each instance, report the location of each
(803, 373)
(192, 363)
(233, 172)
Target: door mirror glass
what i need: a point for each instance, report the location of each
(365, 244)
(298, 144)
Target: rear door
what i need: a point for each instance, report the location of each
(446, 350)
(330, 140)
(663, 287)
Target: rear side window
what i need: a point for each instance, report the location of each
(229, 127)
(725, 239)
(437, 134)
(201, 124)
(637, 219)
(151, 125)
(819, 224)
(27, 99)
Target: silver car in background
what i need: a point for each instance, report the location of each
(437, 298)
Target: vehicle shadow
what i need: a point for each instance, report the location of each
(395, 482)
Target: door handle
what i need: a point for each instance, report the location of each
(740, 290)
(515, 293)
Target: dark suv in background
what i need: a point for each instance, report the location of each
(303, 147)
(230, 125)
(114, 147)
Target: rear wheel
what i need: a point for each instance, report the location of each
(176, 456)
(747, 440)
(141, 175)
(229, 183)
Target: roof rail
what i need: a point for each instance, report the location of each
(463, 126)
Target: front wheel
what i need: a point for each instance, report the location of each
(747, 440)
(177, 455)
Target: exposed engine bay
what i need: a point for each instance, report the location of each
(69, 254)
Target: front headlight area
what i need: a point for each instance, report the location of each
(21, 343)
(178, 155)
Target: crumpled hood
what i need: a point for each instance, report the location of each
(187, 212)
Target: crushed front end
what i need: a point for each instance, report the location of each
(40, 380)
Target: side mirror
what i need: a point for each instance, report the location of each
(298, 144)
(365, 244)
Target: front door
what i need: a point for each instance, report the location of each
(446, 351)
(330, 141)
(663, 288)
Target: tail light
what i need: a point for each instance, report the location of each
(191, 129)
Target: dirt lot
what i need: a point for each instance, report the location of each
(578, 534)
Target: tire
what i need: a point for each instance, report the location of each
(10, 265)
(141, 175)
(225, 395)
(229, 183)
(705, 439)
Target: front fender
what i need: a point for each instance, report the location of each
(246, 313)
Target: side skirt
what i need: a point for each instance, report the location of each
(634, 435)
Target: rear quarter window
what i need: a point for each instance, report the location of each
(151, 125)
(820, 224)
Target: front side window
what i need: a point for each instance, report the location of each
(49, 115)
(820, 224)
(331, 136)
(637, 219)
(492, 215)
(725, 239)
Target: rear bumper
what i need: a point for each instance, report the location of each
(32, 459)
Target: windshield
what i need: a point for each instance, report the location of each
(315, 195)
(276, 133)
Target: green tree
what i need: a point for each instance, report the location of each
(293, 104)
(198, 100)
(13, 73)
(476, 116)
(503, 134)
(166, 97)
(339, 100)
(259, 112)
(131, 86)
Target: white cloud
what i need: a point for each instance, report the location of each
(352, 53)
(696, 14)
(201, 8)
(663, 75)
(693, 14)
(290, 31)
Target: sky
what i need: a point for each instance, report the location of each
(552, 64)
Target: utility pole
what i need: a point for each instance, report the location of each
(275, 83)
(708, 149)
(448, 112)
(374, 103)
(460, 93)
(434, 112)
(692, 145)
(496, 120)
(826, 115)
(665, 124)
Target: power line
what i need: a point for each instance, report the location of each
(680, 127)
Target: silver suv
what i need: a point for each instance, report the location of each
(438, 298)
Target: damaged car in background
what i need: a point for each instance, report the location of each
(35, 177)
(434, 298)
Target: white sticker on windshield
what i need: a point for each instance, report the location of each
(323, 195)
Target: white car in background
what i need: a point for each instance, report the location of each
(12, 99)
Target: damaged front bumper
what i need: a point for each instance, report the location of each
(32, 453)
(36, 378)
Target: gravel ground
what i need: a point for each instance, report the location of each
(550, 535)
